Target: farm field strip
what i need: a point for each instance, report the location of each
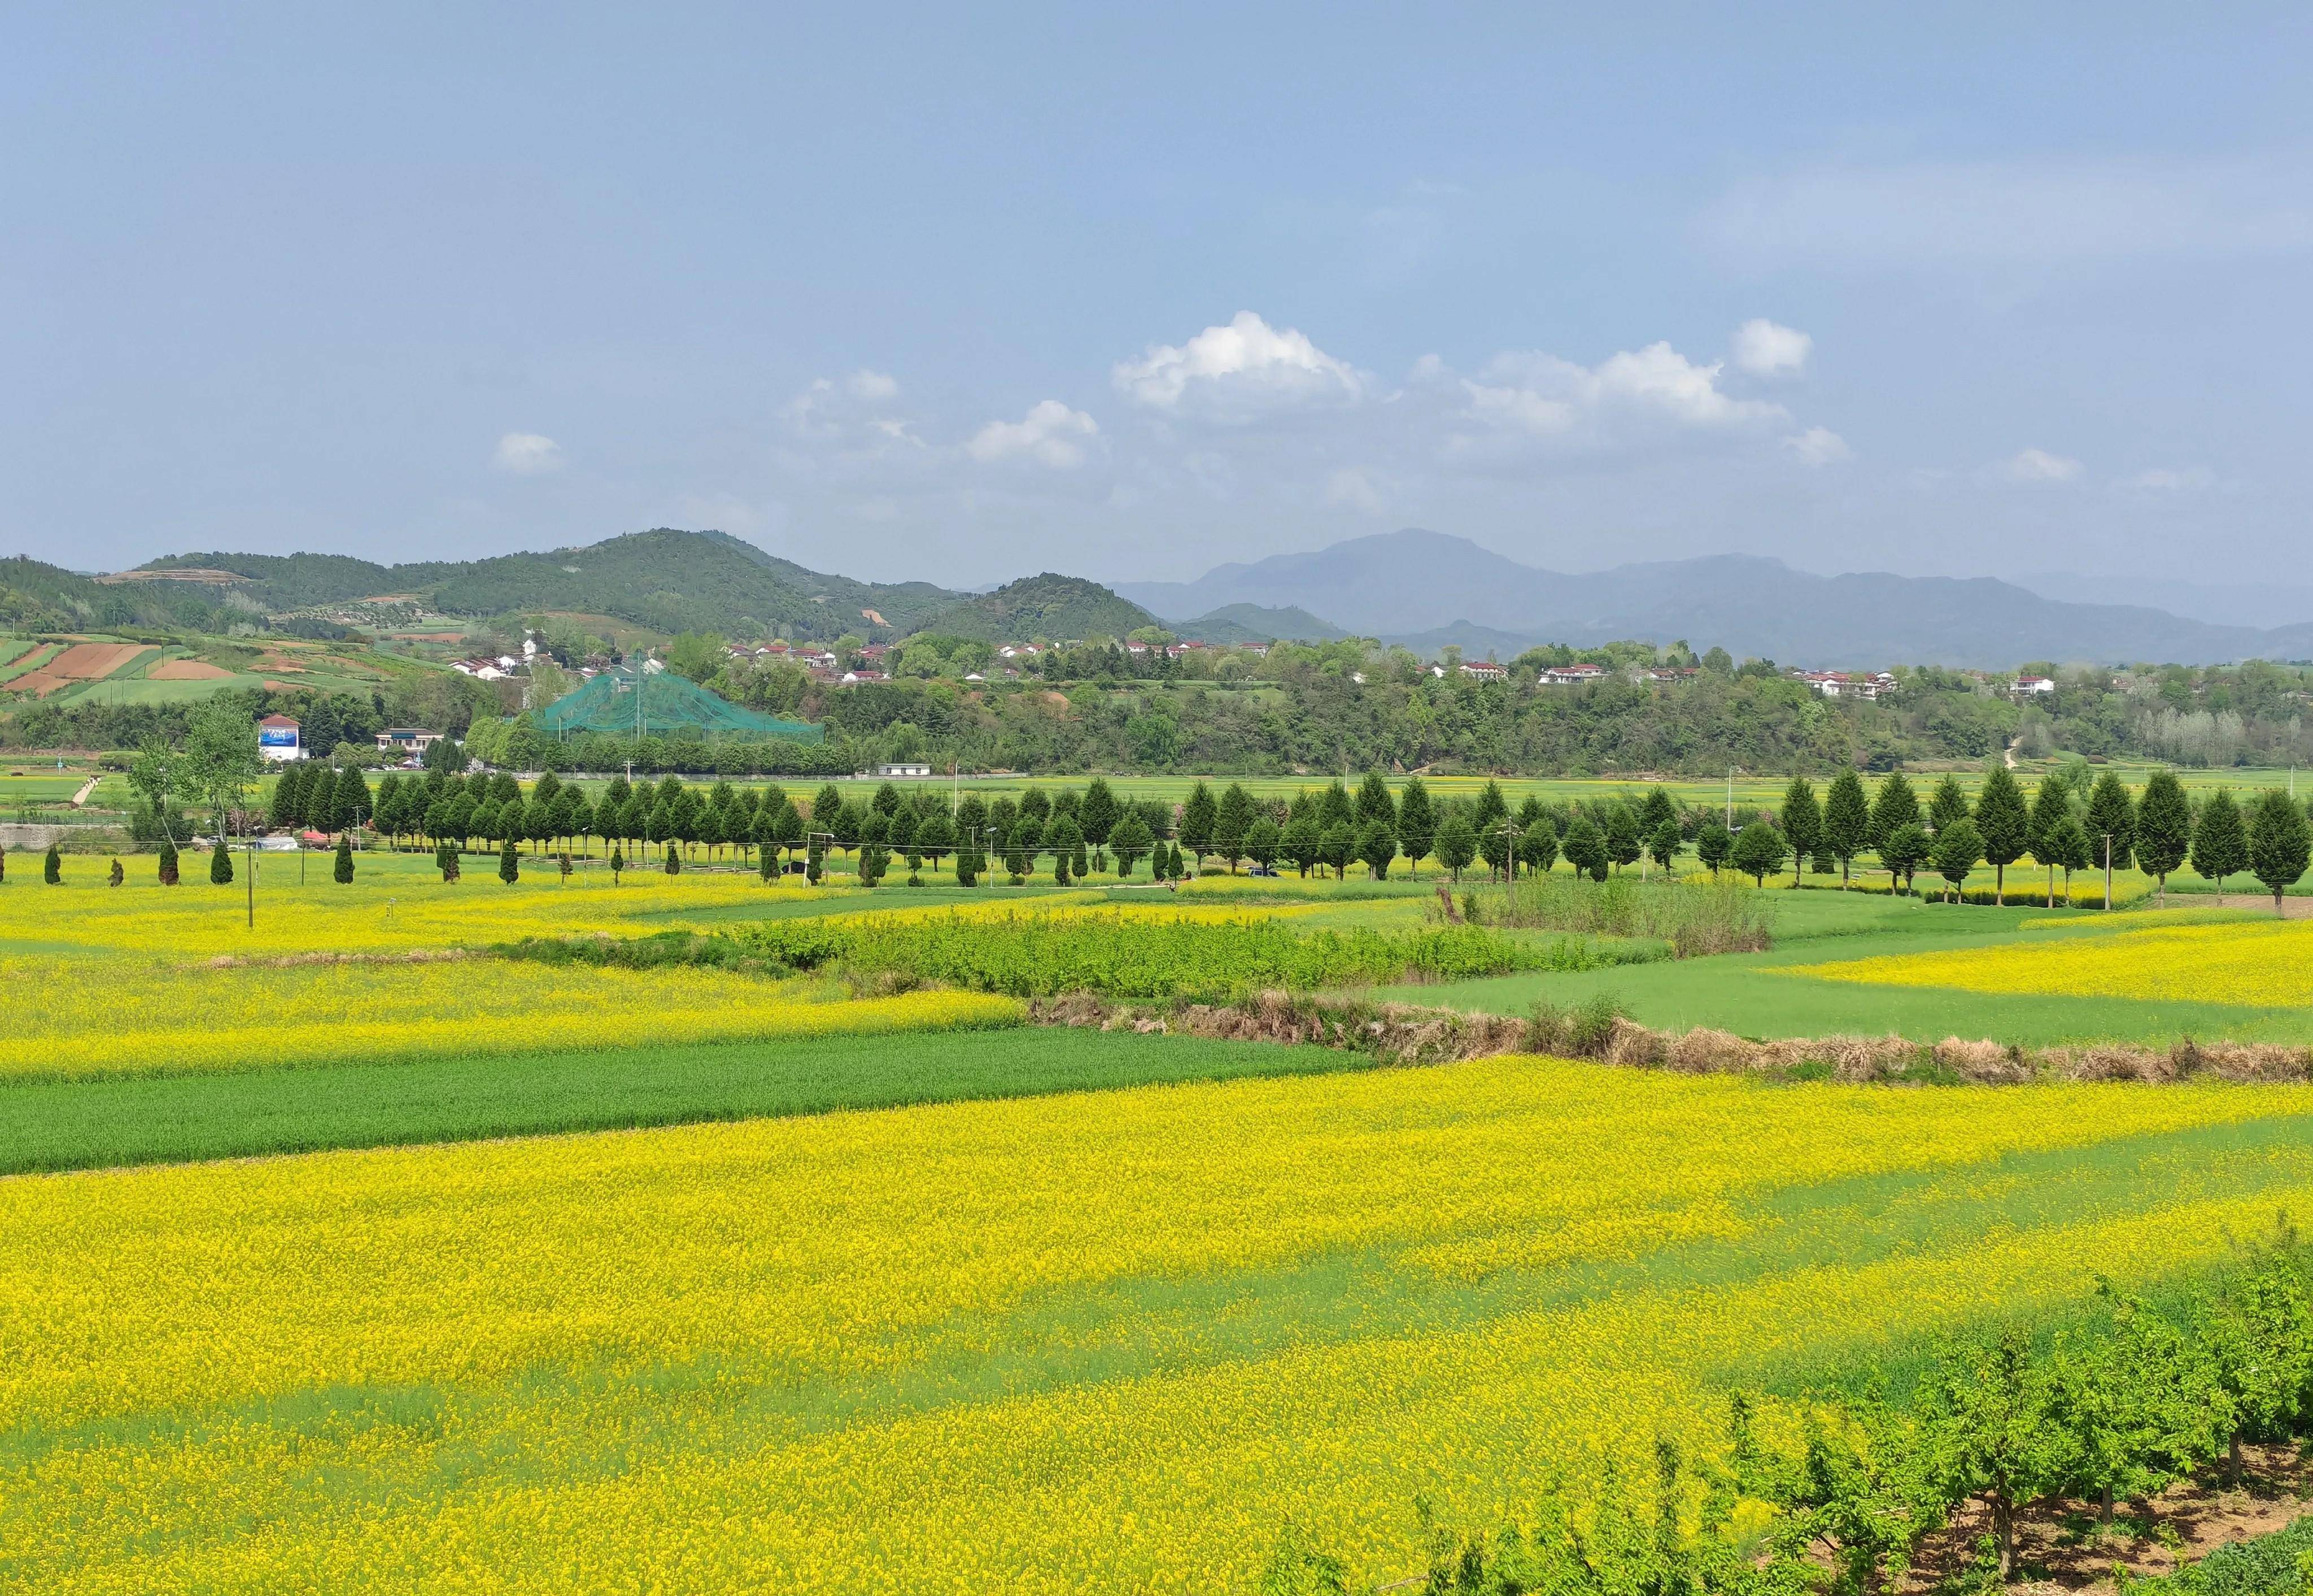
(2255, 964)
(1069, 1342)
(123, 1120)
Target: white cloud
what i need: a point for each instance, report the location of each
(872, 385)
(2169, 480)
(1239, 372)
(1765, 348)
(527, 454)
(1818, 446)
(2017, 212)
(1543, 395)
(723, 512)
(1050, 434)
(2038, 465)
(1353, 489)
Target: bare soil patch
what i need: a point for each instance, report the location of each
(83, 662)
(2060, 1548)
(187, 670)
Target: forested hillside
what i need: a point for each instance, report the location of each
(669, 580)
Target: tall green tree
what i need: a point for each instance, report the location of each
(1374, 802)
(1894, 806)
(1457, 842)
(1664, 845)
(1064, 840)
(1537, 846)
(2220, 841)
(1959, 848)
(1802, 822)
(2164, 828)
(1417, 824)
(1097, 816)
(342, 870)
(2277, 844)
(1655, 809)
(1301, 845)
(1904, 850)
(1759, 851)
(1198, 817)
(1130, 842)
(220, 757)
(1714, 844)
(1947, 804)
(1846, 821)
(2003, 821)
(2111, 818)
(1232, 819)
(1377, 846)
(220, 865)
(510, 863)
(1492, 808)
(2066, 848)
(1622, 833)
(52, 868)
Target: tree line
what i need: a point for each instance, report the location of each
(2112, 1409)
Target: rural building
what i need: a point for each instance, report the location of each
(406, 739)
(276, 738)
(1572, 676)
(1485, 670)
(2034, 685)
(902, 769)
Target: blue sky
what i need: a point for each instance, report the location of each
(929, 293)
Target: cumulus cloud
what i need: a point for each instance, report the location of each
(1546, 396)
(2171, 480)
(1765, 348)
(873, 385)
(1239, 372)
(2038, 465)
(1818, 446)
(1050, 434)
(527, 454)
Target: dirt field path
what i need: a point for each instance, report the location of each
(86, 787)
(2291, 908)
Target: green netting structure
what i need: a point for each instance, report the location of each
(628, 703)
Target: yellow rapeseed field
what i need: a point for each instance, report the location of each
(1070, 1344)
(201, 1017)
(2266, 963)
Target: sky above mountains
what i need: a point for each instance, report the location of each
(945, 294)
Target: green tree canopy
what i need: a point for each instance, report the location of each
(1802, 823)
(2220, 841)
(2003, 822)
(1759, 850)
(2277, 844)
(2164, 827)
(1894, 806)
(1846, 821)
(1959, 849)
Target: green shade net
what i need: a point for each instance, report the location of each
(660, 705)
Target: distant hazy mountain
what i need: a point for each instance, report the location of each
(1427, 588)
(1250, 624)
(2243, 602)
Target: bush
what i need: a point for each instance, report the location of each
(52, 868)
(2274, 1565)
(1580, 1031)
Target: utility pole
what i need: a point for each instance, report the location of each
(1730, 798)
(2108, 870)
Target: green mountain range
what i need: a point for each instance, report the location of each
(1041, 606)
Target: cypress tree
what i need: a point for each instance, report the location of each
(1655, 811)
(2051, 806)
(1492, 809)
(1584, 847)
(168, 862)
(1903, 850)
(509, 863)
(1947, 804)
(2164, 827)
(766, 857)
(1457, 843)
(1846, 821)
(52, 868)
(343, 871)
(1374, 802)
(1417, 824)
(1759, 850)
(1713, 844)
(2066, 848)
(1664, 844)
(118, 875)
(2220, 843)
(1895, 806)
(1622, 833)
(1376, 845)
(1197, 819)
(1097, 816)
(1334, 808)
(2111, 815)
(1958, 847)
(2003, 825)
(1802, 823)
(220, 865)
(1538, 845)
(2277, 844)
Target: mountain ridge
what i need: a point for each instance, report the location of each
(1431, 589)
